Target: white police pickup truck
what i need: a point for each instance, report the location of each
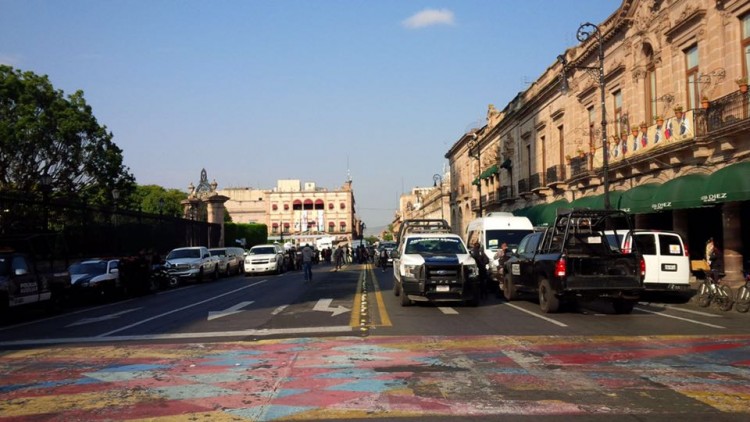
(432, 264)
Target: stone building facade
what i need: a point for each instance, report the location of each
(298, 212)
(657, 124)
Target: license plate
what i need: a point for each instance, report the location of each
(442, 289)
(669, 267)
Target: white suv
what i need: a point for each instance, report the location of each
(667, 259)
(264, 258)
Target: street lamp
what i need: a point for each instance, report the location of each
(475, 151)
(585, 31)
(435, 179)
(46, 185)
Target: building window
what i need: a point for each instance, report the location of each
(691, 75)
(274, 207)
(651, 106)
(331, 227)
(319, 204)
(592, 126)
(286, 207)
(308, 205)
(286, 227)
(342, 206)
(297, 205)
(342, 227)
(330, 205)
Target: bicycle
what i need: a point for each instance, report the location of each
(742, 304)
(711, 290)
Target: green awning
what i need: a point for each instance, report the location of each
(638, 199)
(729, 184)
(491, 171)
(682, 192)
(590, 201)
(534, 214)
(548, 214)
(521, 212)
(475, 182)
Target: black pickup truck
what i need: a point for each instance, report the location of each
(573, 259)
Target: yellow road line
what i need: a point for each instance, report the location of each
(357, 305)
(385, 320)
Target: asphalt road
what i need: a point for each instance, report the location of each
(342, 347)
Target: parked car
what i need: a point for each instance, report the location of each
(265, 258)
(21, 284)
(95, 278)
(231, 260)
(193, 263)
(667, 259)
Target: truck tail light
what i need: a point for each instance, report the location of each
(626, 246)
(643, 267)
(686, 251)
(560, 267)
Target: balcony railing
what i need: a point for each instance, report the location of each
(555, 174)
(523, 186)
(505, 192)
(536, 181)
(727, 111)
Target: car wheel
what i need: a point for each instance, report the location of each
(405, 301)
(548, 302)
(396, 290)
(623, 306)
(215, 275)
(509, 289)
(173, 282)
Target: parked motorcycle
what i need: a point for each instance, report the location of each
(161, 278)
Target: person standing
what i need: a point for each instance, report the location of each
(481, 259)
(338, 257)
(307, 259)
(501, 255)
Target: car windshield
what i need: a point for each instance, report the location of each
(184, 253)
(218, 252)
(495, 238)
(262, 251)
(434, 245)
(88, 268)
(388, 245)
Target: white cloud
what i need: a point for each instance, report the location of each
(429, 17)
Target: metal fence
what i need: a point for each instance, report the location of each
(82, 230)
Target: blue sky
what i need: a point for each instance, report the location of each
(255, 91)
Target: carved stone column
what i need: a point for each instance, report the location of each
(216, 211)
(732, 247)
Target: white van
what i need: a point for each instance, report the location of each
(494, 229)
(667, 259)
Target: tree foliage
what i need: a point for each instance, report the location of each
(155, 199)
(42, 132)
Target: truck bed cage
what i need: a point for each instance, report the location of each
(428, 225)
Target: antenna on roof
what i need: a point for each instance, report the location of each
(348, 170)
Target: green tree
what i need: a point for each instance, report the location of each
(42, 132)
(149, 198)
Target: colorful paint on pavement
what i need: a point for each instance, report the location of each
(386, 377)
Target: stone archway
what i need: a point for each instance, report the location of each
(205, 204)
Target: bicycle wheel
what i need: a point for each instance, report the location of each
(704, 295)
(726, 298)
(743, 300)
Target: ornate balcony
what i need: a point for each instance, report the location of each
(555, 175)
(523, 186)
(505, 193)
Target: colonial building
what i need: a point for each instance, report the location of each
(648, 114)
(298, 212)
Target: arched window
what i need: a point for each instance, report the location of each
(342, 226)
(297, 204)
(286, 207)
(319, 204)
(331, 226)
(274, 207)
(342, 206)
(330, 205)
(308, 204)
